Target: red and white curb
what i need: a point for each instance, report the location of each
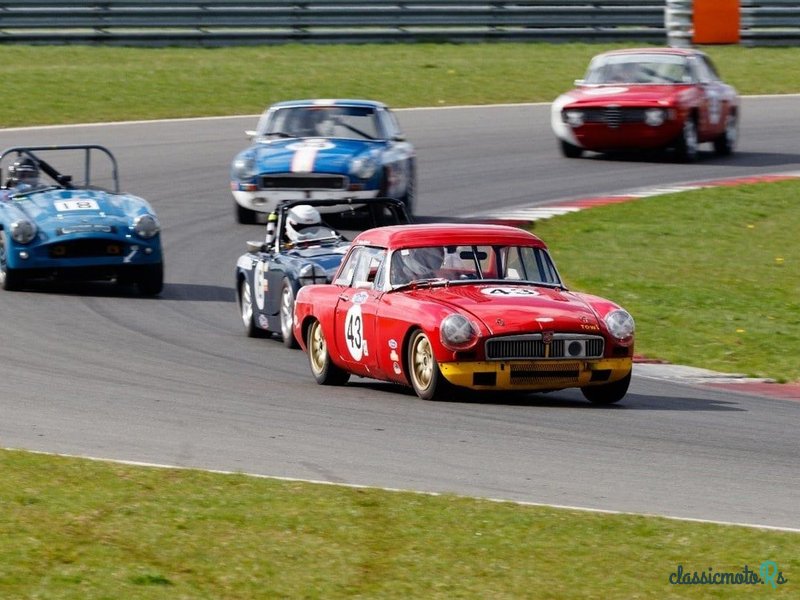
(530, 214)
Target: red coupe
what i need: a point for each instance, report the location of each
(648, 98)
(442, 307)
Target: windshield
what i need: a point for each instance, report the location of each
(355, 122)
(638, 68)
(473, 263)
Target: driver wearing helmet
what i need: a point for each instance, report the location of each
(22, 175)
(416, 263)
(303, 223)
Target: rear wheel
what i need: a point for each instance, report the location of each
(248, 312)
(726, 142)
(150, 279)
(324, 371)
(9, 278)
(571, 150)
(287, 314)
(608, 393)
(423, 370)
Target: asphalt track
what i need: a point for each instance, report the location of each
(90, 371)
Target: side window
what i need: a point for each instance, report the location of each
(348, 268)
(710, 68)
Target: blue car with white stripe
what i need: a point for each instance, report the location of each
(78, 226)
(323, 149)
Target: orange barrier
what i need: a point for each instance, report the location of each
(716, 22)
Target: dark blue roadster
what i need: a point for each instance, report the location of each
(306, 149)
(306, 241)
(77, 226)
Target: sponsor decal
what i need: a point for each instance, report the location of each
(360, 298)
(393, 344)
(354, 332)
(263, 322)
(397, 369)
(509, 291)
(77, 204)
(393, 356)
(260, 285)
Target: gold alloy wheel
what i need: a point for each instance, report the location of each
(317, 349)
(422, 362)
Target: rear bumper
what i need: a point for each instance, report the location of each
(543, 375)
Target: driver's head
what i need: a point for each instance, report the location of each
(299, 221)
(23, 171)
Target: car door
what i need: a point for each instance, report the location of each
(712, 105)
(355, 323)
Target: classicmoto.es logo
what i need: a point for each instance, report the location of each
(768, 574)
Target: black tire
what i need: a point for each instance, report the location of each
(726, 142)
(608, 393)
(323, 369)
(423, 370)
(570, 150)
(150, 279)
(247, 311)
(688, 143)
(244, 215)
(410, 197)
(287, 314)
(10, 280)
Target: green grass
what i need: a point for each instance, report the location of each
(78, 529)
(74, 84)
(711, 276)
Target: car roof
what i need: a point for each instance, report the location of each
(447, 234)
(657, 50)
(330, 102)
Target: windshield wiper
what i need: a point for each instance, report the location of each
(428, 282)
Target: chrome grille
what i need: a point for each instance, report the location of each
(304, 181)
(532, 346)
(614, 116)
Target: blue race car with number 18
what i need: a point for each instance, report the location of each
(77, 227)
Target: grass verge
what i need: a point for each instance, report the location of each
(79, 529)
(77, 84)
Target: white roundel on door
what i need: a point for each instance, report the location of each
(354, 332)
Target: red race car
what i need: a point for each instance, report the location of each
(649, 98)
(442, 307)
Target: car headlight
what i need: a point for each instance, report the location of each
(312, 273)
(23, 231)
(654, 116)
(573, 118)
(620, 324)
(364, 167)
(243, 168)
(457, 333)
(146, 226)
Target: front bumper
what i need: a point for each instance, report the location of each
(542, 375)
(267, 200)
(84, 253)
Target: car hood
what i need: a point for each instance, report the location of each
(56, 209)
(505, 309)
(655, 95)
(311, 154)
(328, 257)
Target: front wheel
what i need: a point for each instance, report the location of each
(423, 370)
(9, 279)
(150, 279)
(688, 144)
(608, 393)
(287, 314)
(247, 311)
(570, 150)
(324, 371)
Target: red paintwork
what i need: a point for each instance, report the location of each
(684, 100)
(390, 317)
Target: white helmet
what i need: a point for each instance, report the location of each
(300, 220)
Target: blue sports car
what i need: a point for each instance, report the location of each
(54, 225)
(311, 149)
(306, 240)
